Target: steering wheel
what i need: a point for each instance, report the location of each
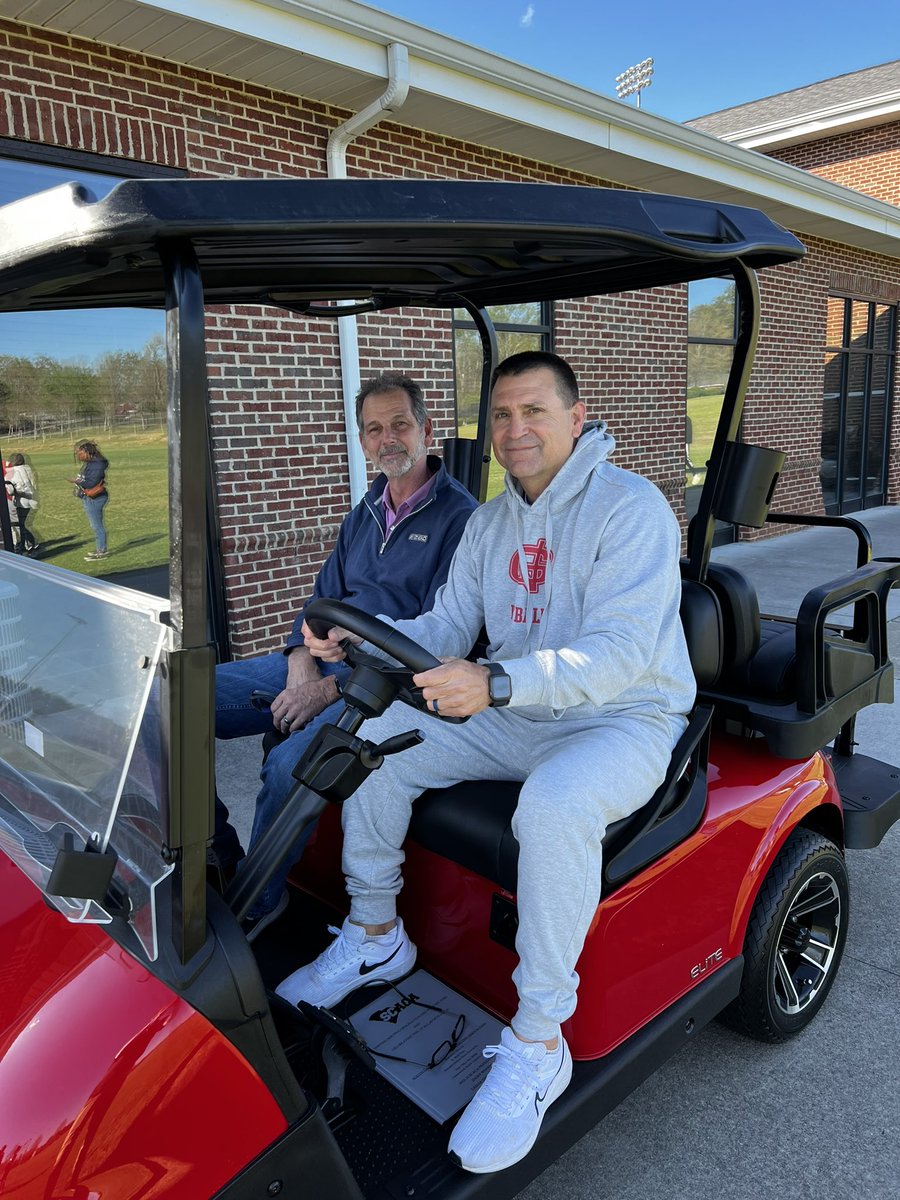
(322, 614)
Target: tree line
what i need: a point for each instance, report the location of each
(41, 395)
(708, 364)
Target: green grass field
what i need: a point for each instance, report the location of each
(136, 516)
(704, 415)
(495, 473)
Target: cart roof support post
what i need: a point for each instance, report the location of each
(188, 684)
(700, 537)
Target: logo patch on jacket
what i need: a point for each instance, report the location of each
(537, 556)
(418, 537)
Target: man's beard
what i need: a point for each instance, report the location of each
(398, 466)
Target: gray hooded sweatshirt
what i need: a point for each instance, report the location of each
(579, 593)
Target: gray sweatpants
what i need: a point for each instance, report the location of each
(579, 777)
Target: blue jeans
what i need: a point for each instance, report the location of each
(236, 717)
(26, 537)
(93, 507)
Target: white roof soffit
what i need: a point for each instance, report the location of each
(333, 51)
(827, 122)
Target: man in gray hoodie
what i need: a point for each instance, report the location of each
(573, 571)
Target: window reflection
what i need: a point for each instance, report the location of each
(94, 375)
(712, 315)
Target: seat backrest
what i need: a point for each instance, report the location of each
(459, 459)
(740, 613)
(701, 617)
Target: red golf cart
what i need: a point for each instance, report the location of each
(142, 1050)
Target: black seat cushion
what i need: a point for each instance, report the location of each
(771, 671)
(471, 824)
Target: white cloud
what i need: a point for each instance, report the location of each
(527, 18)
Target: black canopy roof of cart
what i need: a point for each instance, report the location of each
(386, 242)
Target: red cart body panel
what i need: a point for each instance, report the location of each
(653, 938)
(111, 1086)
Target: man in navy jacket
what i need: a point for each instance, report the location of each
(392, 554)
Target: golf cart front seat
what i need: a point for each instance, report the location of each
(798, 681)
(471, 823)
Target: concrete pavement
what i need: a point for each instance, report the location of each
(817, 1117)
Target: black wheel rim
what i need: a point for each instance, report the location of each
(807, 944)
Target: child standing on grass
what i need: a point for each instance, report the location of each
(90, 484)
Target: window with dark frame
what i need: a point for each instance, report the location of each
(860, 358)
(519, 327)
(711, 338)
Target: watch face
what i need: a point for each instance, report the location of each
(499, 687)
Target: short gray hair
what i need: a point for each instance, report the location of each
(392, 381)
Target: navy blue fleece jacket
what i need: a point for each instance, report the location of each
(399, 576)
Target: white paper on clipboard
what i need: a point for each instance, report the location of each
(395, 1027)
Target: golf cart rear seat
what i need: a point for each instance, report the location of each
(471, 823)
(797, 682)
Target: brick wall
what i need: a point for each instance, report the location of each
(867, 160)
(275, 377)
(630, 355)
(784, 396)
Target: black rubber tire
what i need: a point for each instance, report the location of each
(809, 870)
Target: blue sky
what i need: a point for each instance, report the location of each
(706, 56)
(80, 337)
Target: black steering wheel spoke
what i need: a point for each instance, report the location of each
(322, 614)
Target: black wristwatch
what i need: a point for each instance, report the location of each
(499, 685)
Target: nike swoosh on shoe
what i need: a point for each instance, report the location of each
(368, 968)
(538, 1098)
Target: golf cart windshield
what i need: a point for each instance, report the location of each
(77, 661)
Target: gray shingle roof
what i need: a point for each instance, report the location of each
(854, 88)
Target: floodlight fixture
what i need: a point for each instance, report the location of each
(630, 82)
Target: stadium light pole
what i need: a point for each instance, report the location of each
(630, 82)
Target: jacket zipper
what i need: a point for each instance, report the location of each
(397, 524)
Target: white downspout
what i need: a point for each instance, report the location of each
(393, 97)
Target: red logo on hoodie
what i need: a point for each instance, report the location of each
(537, 557)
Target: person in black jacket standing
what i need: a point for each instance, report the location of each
(90, 483)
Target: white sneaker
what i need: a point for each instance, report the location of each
(503, 1118)
(351, 961)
